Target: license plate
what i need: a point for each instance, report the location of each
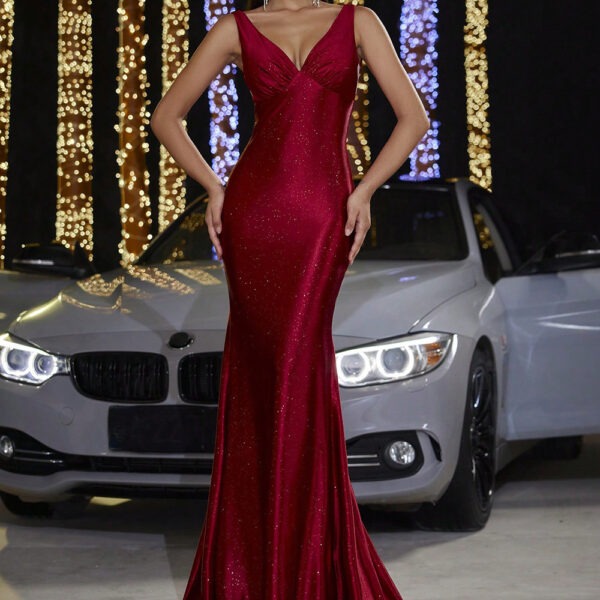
(162, 429)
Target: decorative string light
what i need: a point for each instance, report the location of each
(7, 18)
(483, 231)
(476, 70)
(358, 143)
(223, 103)
(136, 216)
(175, 54)
(418, 37)
(74, 145)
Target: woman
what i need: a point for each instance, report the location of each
(282, 522)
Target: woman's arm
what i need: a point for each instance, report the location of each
(219, 47)
(376, 48)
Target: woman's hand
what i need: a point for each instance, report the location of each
(359, 219)
(213, 219)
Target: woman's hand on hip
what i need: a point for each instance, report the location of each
(359, 219)
(214, 209)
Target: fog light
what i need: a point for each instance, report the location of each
(7, 447)
(401, 453)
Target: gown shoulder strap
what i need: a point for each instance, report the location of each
(242, 20)
(246, 30)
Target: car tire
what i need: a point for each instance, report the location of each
(467, 503)
(16, 506)
(560, 448)
(44, 510)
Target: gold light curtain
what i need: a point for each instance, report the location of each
(358, 143)
(175, 54)
(74, 144)
(478, 102)
(7, 15)
(134, 119)
(74, 218)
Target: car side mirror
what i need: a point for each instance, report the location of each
(53, 259)
(565, 251)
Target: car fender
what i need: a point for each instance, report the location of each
(476, 314)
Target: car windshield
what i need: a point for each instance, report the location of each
(414, 224)
(406, 224)
(186, 240)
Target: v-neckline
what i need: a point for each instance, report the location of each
(310, 52)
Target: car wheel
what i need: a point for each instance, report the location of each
(19, 507)
(44, 510)
(467, 503)
(560, 448)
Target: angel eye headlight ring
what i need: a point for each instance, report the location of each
(25, 363)
(392, 360)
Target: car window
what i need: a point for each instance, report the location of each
(186, 240)
(565, 251)
(494, 255)
(422, 224)
(406, 224)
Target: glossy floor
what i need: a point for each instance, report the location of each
(541, 542)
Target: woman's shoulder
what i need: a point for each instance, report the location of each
(366, 21)
(225, 30)
(225, 23)
(365, 14)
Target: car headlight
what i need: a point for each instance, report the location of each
(392, 360)
(27, 364)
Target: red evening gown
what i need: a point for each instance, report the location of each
(282, 522)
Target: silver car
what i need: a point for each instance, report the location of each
(452, 354)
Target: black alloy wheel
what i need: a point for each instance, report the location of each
(483, 433)
(467, 503)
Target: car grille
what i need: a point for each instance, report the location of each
(121, 376)
(199, 376)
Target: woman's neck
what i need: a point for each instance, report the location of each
(288, 4)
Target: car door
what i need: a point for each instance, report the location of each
(552, 308)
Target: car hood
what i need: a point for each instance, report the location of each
(20, 291)
(377, 299)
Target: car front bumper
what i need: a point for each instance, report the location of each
(62, 440)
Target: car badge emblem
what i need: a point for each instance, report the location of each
(180, 340)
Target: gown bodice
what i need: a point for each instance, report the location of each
(301, 115)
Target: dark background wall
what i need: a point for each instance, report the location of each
(543, 68)
(543, 76)
(31, 187)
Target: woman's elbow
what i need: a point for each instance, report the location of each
(162, 117)
(417, 120)
(156, 119)
(424, 124)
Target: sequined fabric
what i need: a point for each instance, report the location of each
(282, 521)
